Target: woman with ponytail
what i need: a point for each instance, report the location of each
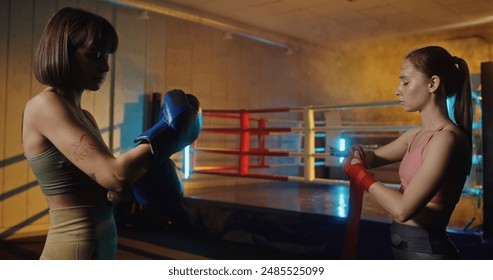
(435, 157)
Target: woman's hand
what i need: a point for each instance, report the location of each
(357, 171)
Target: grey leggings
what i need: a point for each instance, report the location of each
(415, 243)
(81, 233)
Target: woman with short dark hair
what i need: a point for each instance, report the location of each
(63, 144)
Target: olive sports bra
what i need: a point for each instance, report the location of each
(57, 175)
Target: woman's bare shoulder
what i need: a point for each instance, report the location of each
(451, 138)
(453, 131)
(45, 101)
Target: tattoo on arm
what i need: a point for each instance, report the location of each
(82, 148)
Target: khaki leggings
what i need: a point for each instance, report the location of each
(81, 233)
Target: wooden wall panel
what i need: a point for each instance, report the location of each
(202, 63)
(255, 86)
(266, 76)
(66, 3)
(102, 98)
(130, 76)
(18, 92)
(155, 43)
(4, 31)
(36, 203)
(88, 98)
(245, 76)
(232, 78)
(179, 56)
(43, 10)
(220, 53)
(98, 103)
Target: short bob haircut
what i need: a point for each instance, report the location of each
(66, 31)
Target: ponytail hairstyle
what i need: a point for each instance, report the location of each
(66, 31)
(454, 82)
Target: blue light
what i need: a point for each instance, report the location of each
(186, 162)
(342, 147)
(341, 204)
(477, 159)
(477, 125)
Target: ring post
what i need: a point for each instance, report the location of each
(309, 160)
(244, 142)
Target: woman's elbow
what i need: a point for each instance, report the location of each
(116, 183)
(401, 219)
(116, 188)
(122, 184)
(402, 216)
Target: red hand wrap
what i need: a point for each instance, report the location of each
(360, 175)
(362, 154)
(352, 156)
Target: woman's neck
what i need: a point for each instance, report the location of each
(72, 96)
(432, 118)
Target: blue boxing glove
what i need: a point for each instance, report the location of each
(160, 190)
(179, 125)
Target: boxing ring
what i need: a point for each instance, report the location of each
(252, 153)
(294, 144)
(301, 137)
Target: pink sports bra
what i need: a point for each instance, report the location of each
(413, 160)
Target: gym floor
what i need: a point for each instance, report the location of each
(266, 220)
